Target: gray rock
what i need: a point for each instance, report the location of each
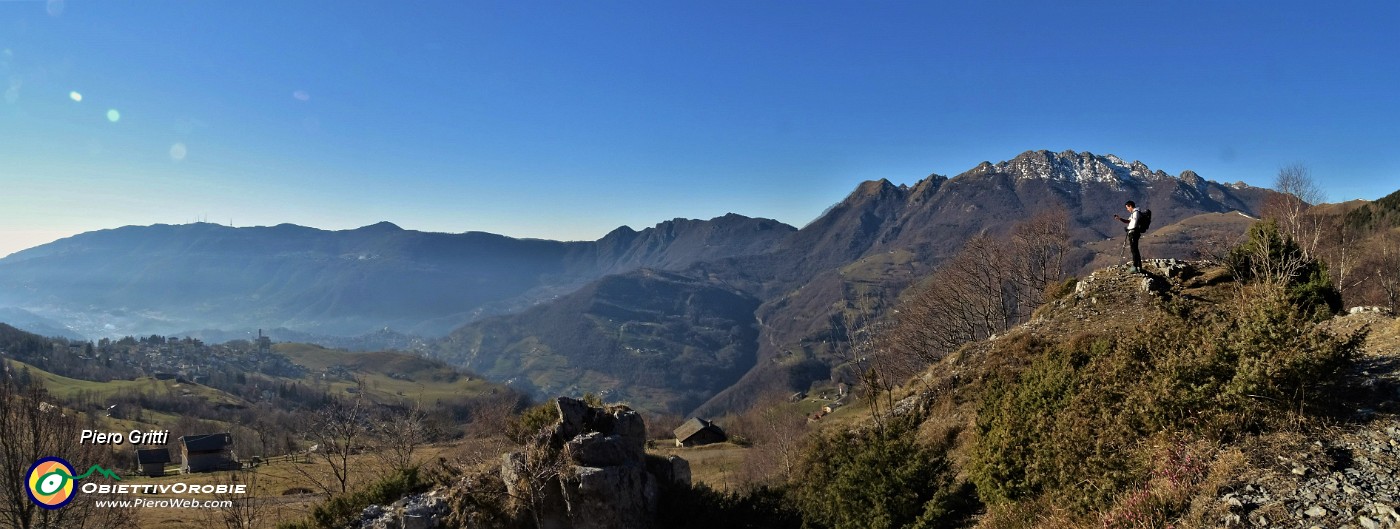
(573, 413)
(1317, 512)
(603, 498)
(1153, 285)
(670, 470)
(512, 470)
(377, 517)
(607, 480)
(1384, 510)
(628, 425)
(1368, 522)
(427, 508)
(593, 449)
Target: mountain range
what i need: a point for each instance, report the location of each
(857, 256)
(688, 315)
(171, 279)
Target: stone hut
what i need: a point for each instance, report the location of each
(697, 432)
(207, 453)
(151, 461)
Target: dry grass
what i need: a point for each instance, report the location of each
(278, 487)
(1040, 514)
(719, 466)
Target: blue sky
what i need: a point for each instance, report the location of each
(565, 120)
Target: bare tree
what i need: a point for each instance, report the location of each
(1040, 244)
(1380, 271)
(239, 511)
(491, 415)
(1388, 269)
(534, 477)
(1345, 252)
(1297, 192)
(860, 310)
(340, 430)
(31, 427)
(991, 284)
(783, 432)
(401, 433)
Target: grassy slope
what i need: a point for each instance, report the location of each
(412, 378)
(389, 377)
(952, 390)
(67, 388)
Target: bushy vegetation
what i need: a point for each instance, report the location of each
(525, 426)
(878, 478)
(1072, 424)
(1270, 256)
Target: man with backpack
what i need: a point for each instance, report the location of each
(1137, 221)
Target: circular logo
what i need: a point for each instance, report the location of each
(50, 483)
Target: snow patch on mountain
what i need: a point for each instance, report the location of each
(1085, 167)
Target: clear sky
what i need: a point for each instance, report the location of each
(566, 119)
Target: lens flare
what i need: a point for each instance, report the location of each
(75, 96)
(178, 152)
(113, 116)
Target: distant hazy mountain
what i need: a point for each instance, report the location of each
(34, 323)
(861, 251)
(165, 279)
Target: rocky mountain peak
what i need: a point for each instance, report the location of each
(1071, 166)
(871, 188)
(1190, 178)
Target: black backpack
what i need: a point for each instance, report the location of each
(1144, 220)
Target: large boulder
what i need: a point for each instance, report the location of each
(591, 470)
(594, 449)
(610, 497)
(670, 470)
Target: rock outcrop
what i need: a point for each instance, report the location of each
(590, 471)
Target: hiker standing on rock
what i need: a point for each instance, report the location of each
(1136, 225)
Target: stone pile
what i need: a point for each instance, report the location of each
(419, 511)
(1361, 489)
